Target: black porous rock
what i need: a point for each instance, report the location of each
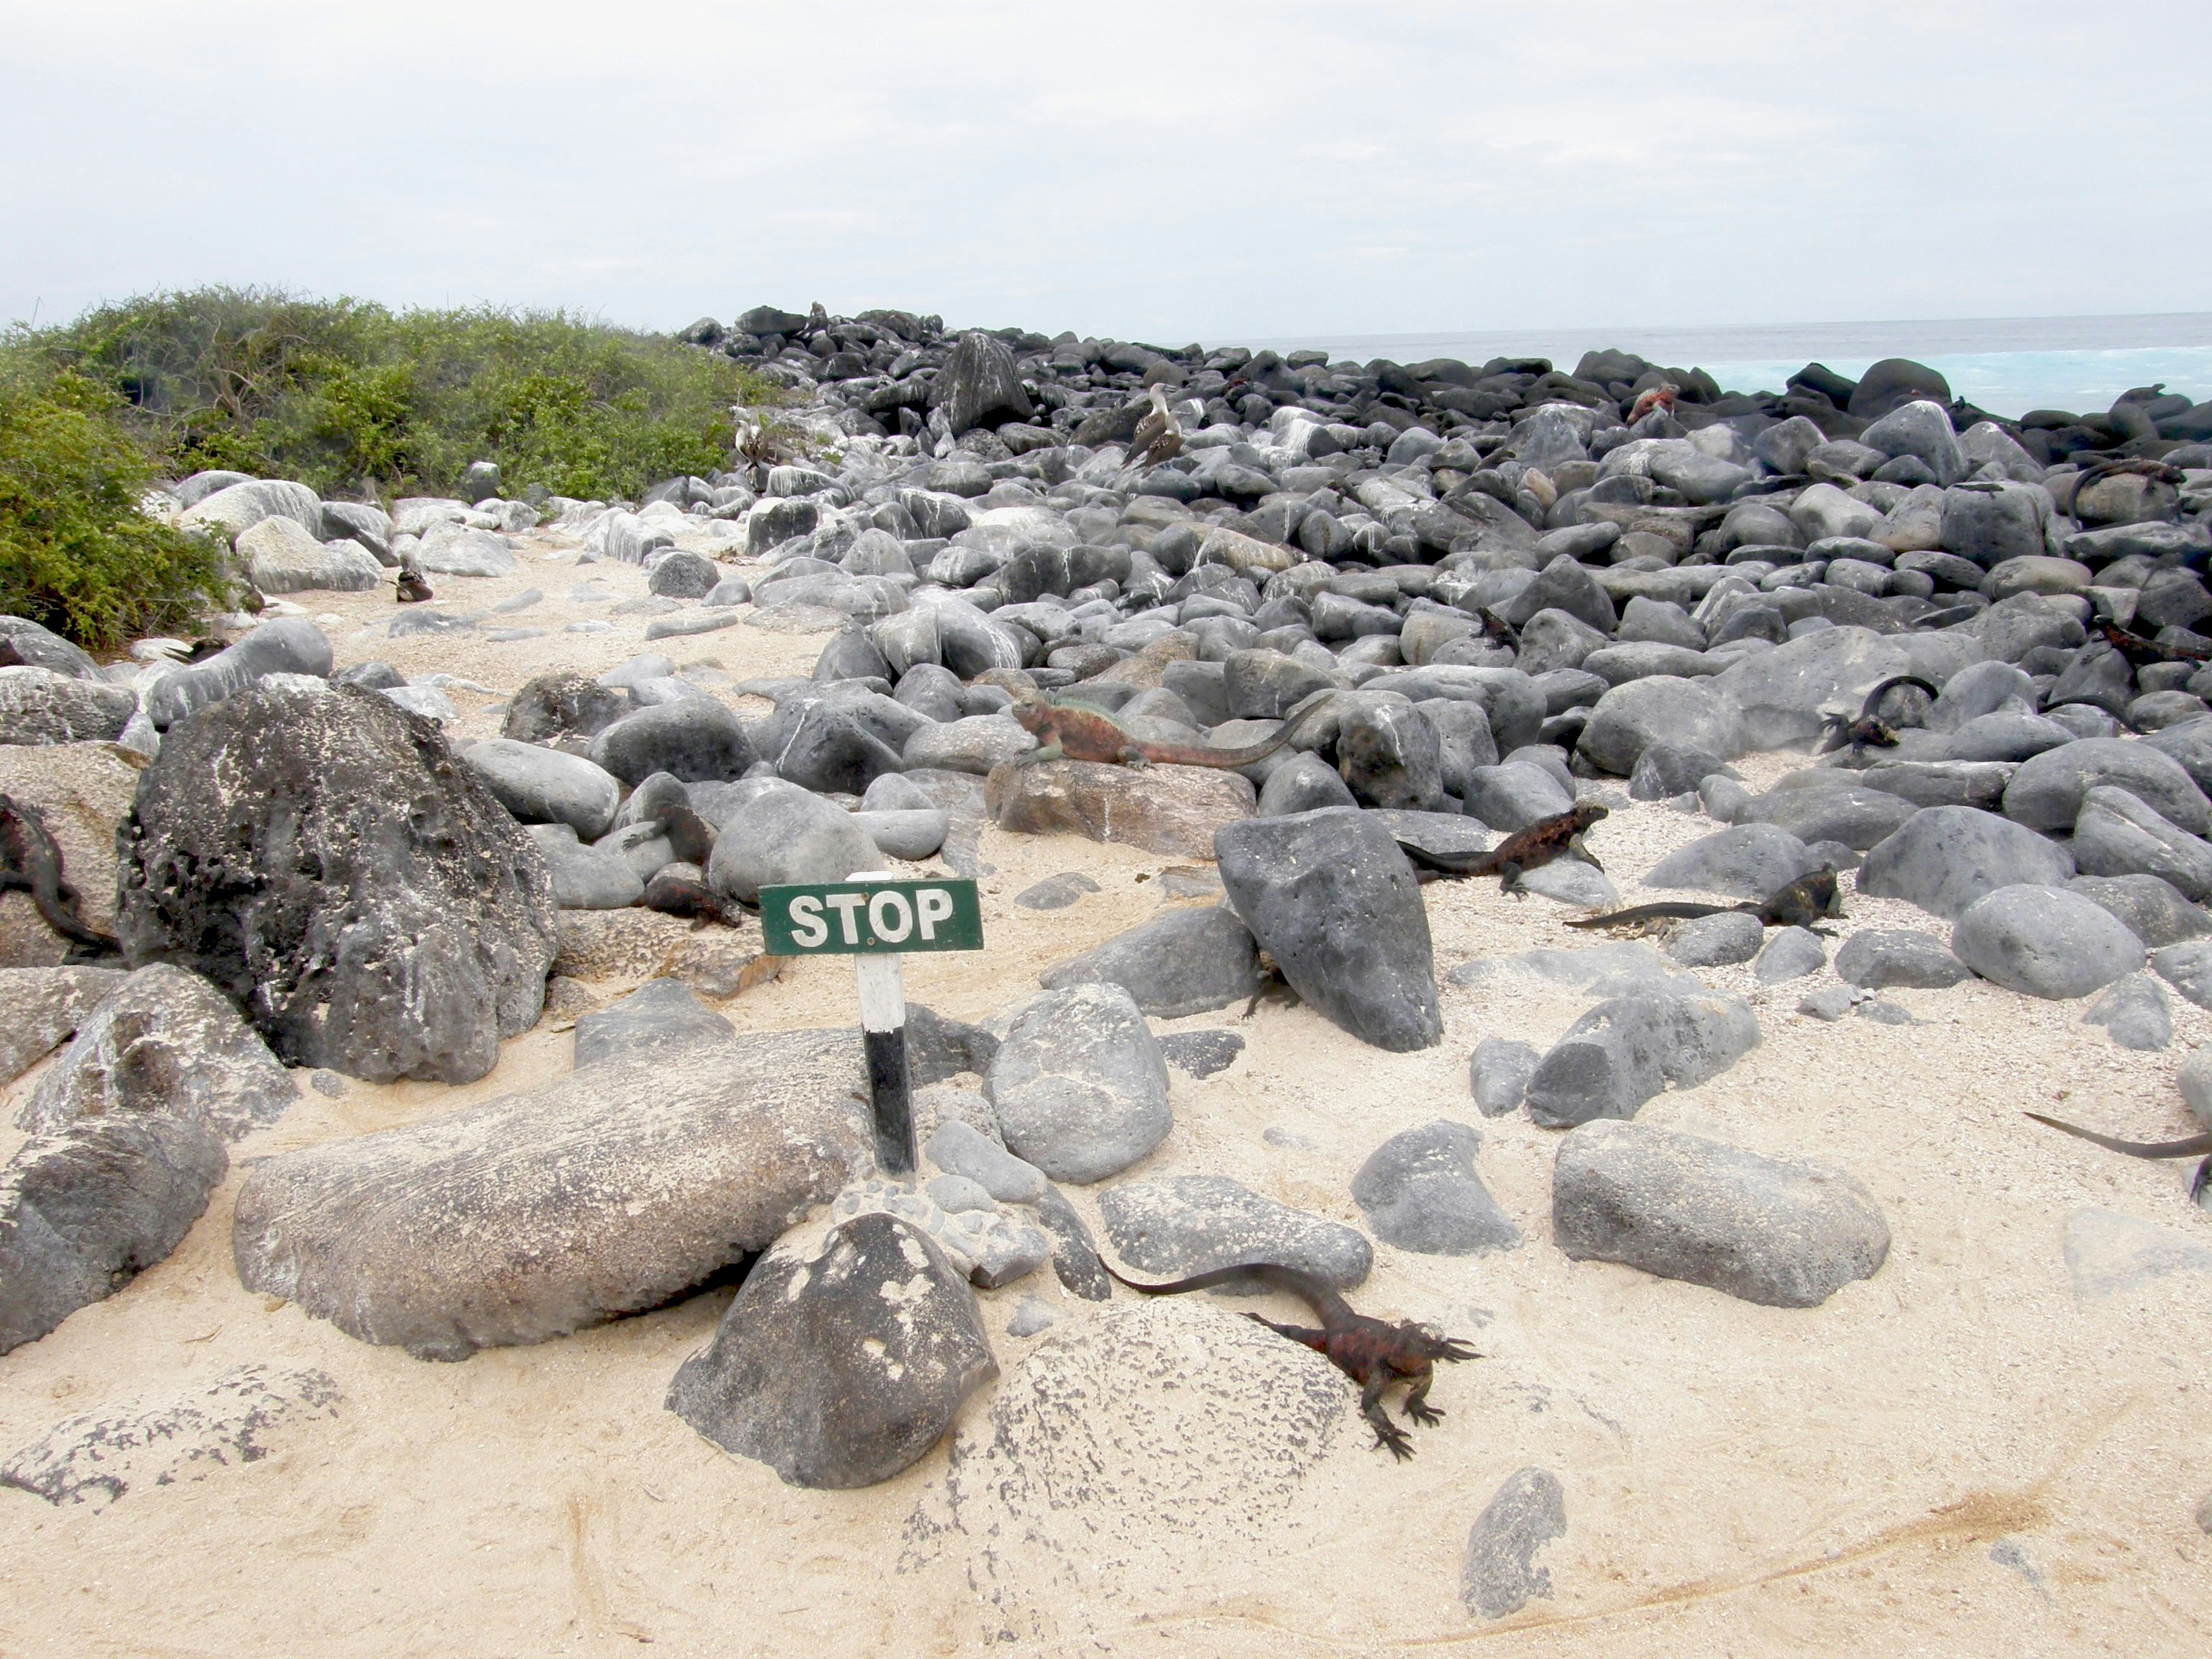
(1780, 1233)
(840, 1367)
(84, 1212)
(1202, 1054)
(1419, 1191)
(562, 704)
(321, 856)
(1331, 898)
(695, 739)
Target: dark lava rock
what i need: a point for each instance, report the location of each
(1498, 1073)
(1717, 941)
(682, 576)
(1782, 1234)
(322, 857)
(1183, 961)
(85, 1212)
(1387, 754)
(1331, 898)
(1419, 1191)
(1303, 784)
(840, 1367)
(2151, 908)
(1856, 816)
(937, 1048)
(39, 1007)
(1749, 860)
(979, 386)
(2134, 1012)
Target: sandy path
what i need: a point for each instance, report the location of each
(1738, 1480)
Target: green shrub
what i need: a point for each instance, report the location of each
(75, 554)
(348, 398)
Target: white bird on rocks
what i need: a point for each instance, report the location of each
(1158, 436)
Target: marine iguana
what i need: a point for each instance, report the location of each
(31, 862)
(1869, 730)
(2194, 1147)
(1800, 904)
(1077, 731)
(2140, 653)
(1524, 849)
(1375, 1353)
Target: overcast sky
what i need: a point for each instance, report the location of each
(1164, 172)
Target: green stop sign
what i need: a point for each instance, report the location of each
(870, 918)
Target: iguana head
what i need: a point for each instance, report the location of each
(1031, 713)
(1589, 813)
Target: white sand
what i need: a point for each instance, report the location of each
(1738, 1480)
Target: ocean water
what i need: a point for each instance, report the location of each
(2005, 365)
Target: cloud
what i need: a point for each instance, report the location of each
(1161, 170)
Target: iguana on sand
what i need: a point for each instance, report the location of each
(1082, 731)
(1800, 904)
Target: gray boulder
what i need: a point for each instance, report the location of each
(1791, 953)
(1079, 1083)
(1632, 717)
(2045, 942)
(660, 1014)
(1419, 1191)
(164, 1043)
(586, 877)
(783, 834)
(2117, 835)
(1305, 783)
(1746, 860)
(39, 706)
(2048, 790)
(958, 1148)
(1498, 1576)
(1633, 1046)
(1876, 958)
(697, 740)
(1498, 1073)
(1946, 858)
(1387, 753)
(2152, 909)
(1717, 941)
(316, 854)
(1513, 796)
(840, 1365)
(2134, 1012)
(85, 1212)
(2187, 968)
(599, 1194)
(41, 1007)
(1183, 1225)
(547, 785)
(912, 836)
(1331, 898)
(1853, 814)
(285, 645)
(1923, 430)
(1183, 961)
(1780, 1233)
(979, 386)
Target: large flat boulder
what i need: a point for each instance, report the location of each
(599, 1194)
(1174, 809)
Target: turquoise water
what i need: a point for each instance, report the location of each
(2005, 365)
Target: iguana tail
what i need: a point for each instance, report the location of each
(1682, 908)
(1873, 703)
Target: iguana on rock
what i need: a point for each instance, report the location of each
(1081, 732)
(1800, 904)
(1524, 849)
(1375, 1353)
(1869, 730)
(31, 862)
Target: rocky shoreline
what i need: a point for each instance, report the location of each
(1494, 593)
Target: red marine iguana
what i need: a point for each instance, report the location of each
(1080, 732)
(1524, 849)
(1375, 1353)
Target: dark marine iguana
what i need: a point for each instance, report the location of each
(1524, 849)
(1869, 730)
(1080, 732)
(2194, 1147)
(31, 862)
(2140, 653)
(1803, 902)
(1375, 1353)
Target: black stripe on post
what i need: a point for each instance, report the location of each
(892, 1099)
